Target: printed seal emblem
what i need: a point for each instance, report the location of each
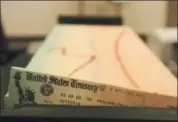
(46, 89)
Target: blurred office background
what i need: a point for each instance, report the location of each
(37, 18)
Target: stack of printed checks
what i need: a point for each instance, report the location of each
(94, 66)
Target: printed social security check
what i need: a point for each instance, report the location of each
(29, 87)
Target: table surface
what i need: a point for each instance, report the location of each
(84, 112)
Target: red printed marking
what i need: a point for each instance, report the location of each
(62, 49)
(80, 67)
(77, 69)
(119, 59)
(64, 52)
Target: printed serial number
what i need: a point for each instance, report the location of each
(69, 102)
